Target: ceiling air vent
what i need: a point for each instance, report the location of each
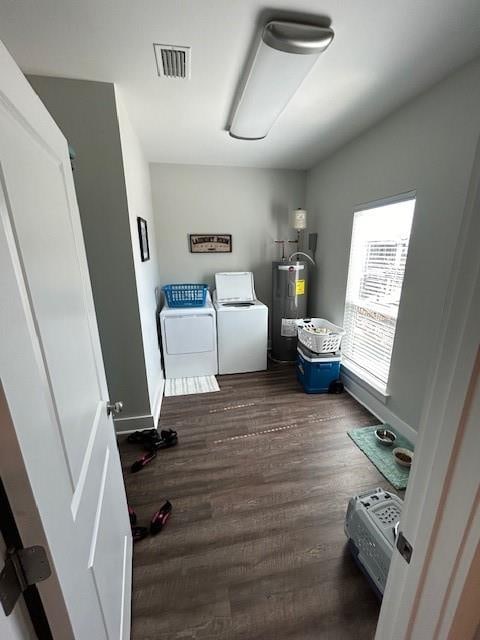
(172, 61)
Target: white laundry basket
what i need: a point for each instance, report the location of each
(320, 336)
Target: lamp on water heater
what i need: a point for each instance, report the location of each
(298, 219)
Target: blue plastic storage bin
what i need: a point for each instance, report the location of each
(315, 373)
(185, 295)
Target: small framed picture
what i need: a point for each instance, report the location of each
(143, 237)
(210, 242)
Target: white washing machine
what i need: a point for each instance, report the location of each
(242, 324)
(189, 339)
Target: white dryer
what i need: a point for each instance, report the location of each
(242, 324)
(189, 339)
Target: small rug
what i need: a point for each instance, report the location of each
(381, 456)
(189, 386)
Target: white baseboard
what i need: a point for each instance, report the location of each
(128, 424)
(378, 408)
(133, 423)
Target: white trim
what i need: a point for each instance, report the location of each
(157, 403)
(129, 424)
(124, 418)
(361, 377)
(460, 523)
(469, 617)
(125, 622)
(133, 423)
(135, 428)
(382, 202)
(378, 408)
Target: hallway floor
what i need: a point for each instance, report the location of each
(255, 548)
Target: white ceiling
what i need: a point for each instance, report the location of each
(384, 52)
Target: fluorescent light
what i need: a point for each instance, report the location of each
(286, 53)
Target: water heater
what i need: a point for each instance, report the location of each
(290, 287)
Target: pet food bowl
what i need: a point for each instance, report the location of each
(385, 437)
(403, 457)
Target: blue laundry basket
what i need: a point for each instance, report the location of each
(185, 295)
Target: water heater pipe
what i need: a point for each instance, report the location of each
(301, 253)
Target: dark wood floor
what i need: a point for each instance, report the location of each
(255, 548)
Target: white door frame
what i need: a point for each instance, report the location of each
(441, 515)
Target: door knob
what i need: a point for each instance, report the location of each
(114, 407)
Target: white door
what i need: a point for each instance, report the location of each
(53, 402)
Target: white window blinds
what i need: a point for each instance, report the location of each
(378, 255)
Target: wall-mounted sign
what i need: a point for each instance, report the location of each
(210, 242)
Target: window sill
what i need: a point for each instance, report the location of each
(360, 377)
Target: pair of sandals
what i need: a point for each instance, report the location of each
(152, 441)
(158, 521)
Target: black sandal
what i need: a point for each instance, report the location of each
(168, 438)
(160, 518)
(132, 515)
(143, 437)
(168, 434)
(152, 440)
(139, 533)
(144, 460)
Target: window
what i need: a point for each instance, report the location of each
(378, 255)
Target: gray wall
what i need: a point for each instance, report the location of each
(86, 113)
(428, 145)
(139, 196)
(251, 204)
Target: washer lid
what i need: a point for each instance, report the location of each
(235, 287)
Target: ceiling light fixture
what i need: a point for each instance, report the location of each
(286, 53)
